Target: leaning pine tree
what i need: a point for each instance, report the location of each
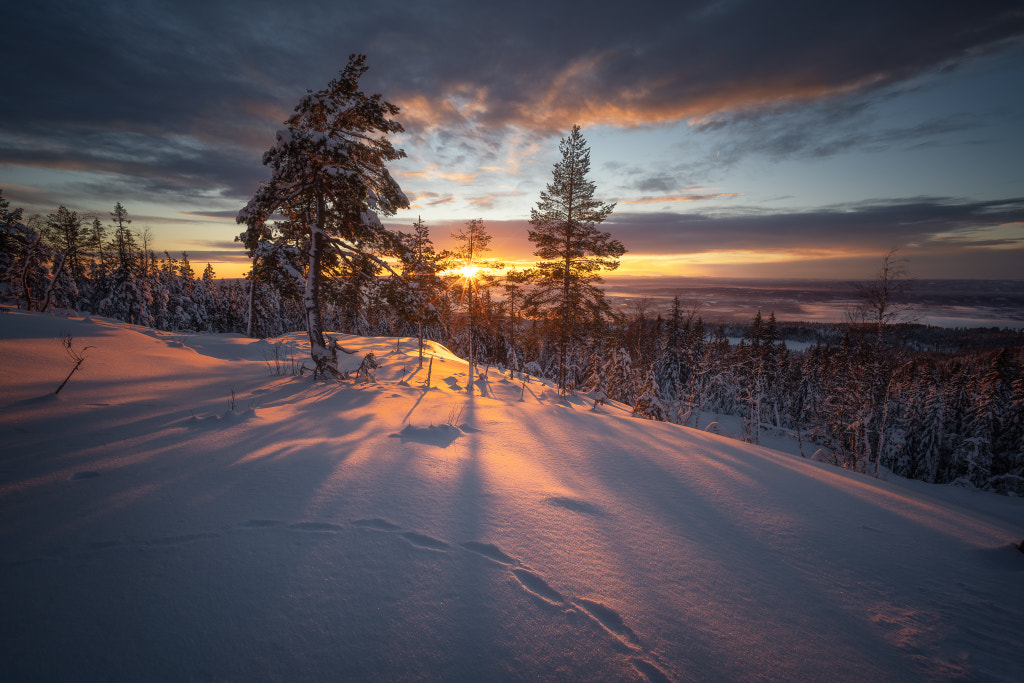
(329, 182)
(572, 251)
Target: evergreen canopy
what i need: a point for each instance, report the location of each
(571, 248)
(329, 181)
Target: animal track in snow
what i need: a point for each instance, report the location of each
(261, 523)
(538, 586)
(531, 582)
(377, 524)
(653, 673)
(177, 540)
(610, 620)
(425, 542)
(316, 526)
(490, 551)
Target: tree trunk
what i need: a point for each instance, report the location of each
(49, 288)
(252, 297)
(311, 300)
(469, 385)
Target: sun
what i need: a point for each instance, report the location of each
(469, 272)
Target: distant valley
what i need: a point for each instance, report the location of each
(943, 303)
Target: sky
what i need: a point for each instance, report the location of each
(738, 139)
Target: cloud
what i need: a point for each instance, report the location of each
(924, 223)
(432, 172)
(186, 95)
(488, 201)
(211, 214)
(679, 198)
(823, 129)
(424, 199)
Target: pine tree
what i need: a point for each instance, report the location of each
(760, 371)
(66, 234)
(99, 262)
(414, 295)
(993, 415)
(330, 180)
(513, 283)
(648, 402)
(473, 242)
(21, 267)
(572, 250)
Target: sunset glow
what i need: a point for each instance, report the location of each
(831, 150)
(469, 272)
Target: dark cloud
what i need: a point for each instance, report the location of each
(823, 129)
(185, 96)
(213, 214)
(919, 223)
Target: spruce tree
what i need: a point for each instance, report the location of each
(473, 241)
(572, 250)
(331, 181)
(420, 284)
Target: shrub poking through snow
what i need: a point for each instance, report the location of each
(76, 357)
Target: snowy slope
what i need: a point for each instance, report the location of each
(383, 531)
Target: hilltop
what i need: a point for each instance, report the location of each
(187, 508)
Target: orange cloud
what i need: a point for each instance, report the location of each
(579, 94)
(488, 200)
(431, 172)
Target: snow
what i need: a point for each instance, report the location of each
(182, 512)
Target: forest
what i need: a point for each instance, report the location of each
(871, 395)
(924, 402)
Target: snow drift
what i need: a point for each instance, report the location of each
(188, 509)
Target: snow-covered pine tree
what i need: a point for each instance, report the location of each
(68, 235)
(205, 295)
(572, 250)
(330, 180)
(128, 291)
(934, 442)
(98, 267)
(993, 418)
(648, 402)
(668, 367)
(22, 271)
(618, 375)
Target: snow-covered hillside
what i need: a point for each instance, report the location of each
(180, 512)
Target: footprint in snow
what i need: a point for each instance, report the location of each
(316, 526)
(538, 586)
(649, 670)
(178, 540)
(490, 551)
(377, 524)
(610, 620)
(260, 523)
(424, 542)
